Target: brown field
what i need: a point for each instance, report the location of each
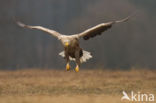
(59, 86)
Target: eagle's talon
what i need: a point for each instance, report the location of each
(67, 67)
(77, 69)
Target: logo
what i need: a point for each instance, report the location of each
(140, 97)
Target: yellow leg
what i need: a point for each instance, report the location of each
(67, 67)
(77, 68)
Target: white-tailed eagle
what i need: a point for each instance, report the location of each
(72, 50)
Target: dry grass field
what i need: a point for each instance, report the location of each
(59, 86)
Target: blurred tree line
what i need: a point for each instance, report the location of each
(126, 45)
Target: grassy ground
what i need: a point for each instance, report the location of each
(59, 86)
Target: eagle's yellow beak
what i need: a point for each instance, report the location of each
(66, 44)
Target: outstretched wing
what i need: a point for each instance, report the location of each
(49, 31)
(98, 29)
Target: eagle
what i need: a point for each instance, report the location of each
(72, 50)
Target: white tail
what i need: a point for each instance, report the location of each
(86, 56)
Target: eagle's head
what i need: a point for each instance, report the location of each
(65, 42)
(69, 41)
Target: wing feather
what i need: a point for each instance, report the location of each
(49, 31)
(98, 29)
